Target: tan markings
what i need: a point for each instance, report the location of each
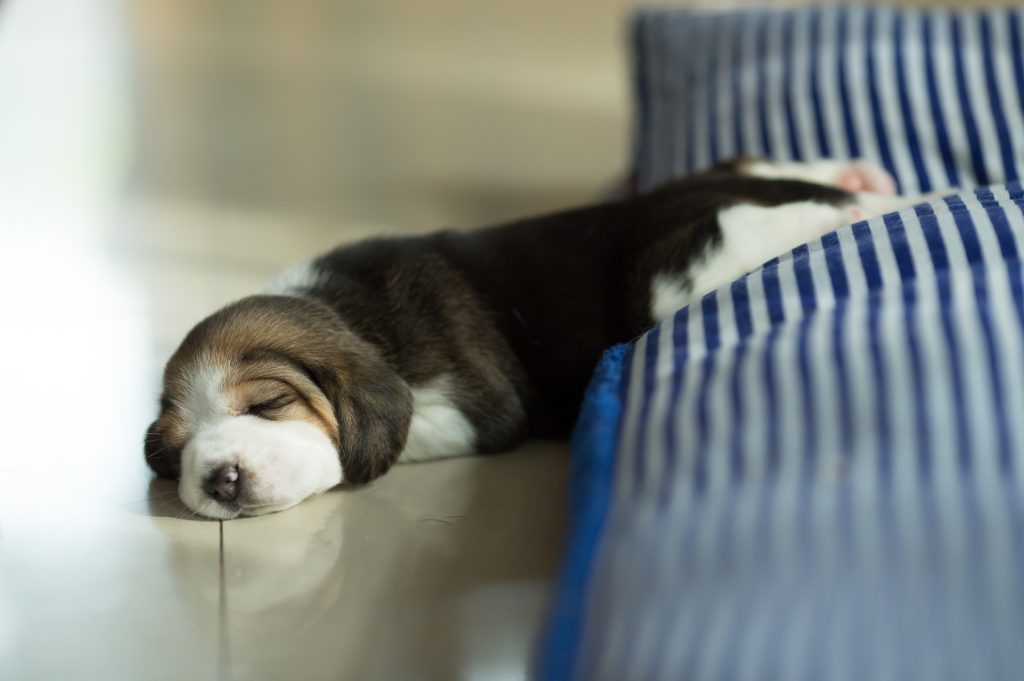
(251, 384)
(172, 429)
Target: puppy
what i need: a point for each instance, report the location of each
(412, 349)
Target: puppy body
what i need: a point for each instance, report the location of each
(462, 342)
(513, 318)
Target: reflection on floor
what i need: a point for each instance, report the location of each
(436, 571)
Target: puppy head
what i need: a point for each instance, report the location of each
(270, 400)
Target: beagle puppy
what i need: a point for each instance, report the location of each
(417, 348)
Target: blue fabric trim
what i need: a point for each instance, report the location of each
(590, 487)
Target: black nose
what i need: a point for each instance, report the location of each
(223, 483)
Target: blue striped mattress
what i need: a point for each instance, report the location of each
(816, 472)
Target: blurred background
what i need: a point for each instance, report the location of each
(404, 114)
(410, 114)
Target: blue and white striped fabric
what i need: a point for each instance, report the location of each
(936, 96)
(817, 472)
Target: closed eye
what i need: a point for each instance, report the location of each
(265, 409)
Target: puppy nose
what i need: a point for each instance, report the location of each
(222, 483)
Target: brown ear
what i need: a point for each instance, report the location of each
(163, 459)
(373, 406)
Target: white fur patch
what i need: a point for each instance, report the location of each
(751, 235)
(204, 398)
(669, 293)
(296, 279)
(281, 463)
(438, 429)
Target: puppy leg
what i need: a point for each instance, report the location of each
(872, 186)
(853, 176)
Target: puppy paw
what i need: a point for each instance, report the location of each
(864, 176)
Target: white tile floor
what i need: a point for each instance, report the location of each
(436, 571)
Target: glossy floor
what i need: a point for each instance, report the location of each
(435, 572)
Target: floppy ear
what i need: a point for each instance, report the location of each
(163, 459)
(373, 406)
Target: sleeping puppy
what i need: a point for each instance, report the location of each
(411, 349)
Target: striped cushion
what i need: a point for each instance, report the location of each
(937, 97)
(816, 472)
